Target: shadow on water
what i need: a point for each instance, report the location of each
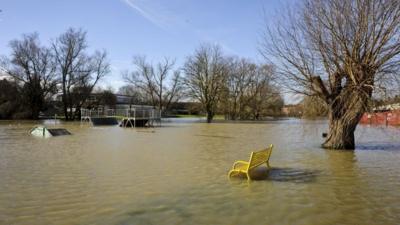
(277, 174)
(379, 146)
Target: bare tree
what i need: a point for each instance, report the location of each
(249, 92)
(239, 78)
(160, 83)
(262, 97)
(205, 74)
(135, 94)
(79, 72)
(32, 65)
(340, 51)
(10, 100)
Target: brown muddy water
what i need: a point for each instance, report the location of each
(177, 174)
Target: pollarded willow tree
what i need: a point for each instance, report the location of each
(340, 51)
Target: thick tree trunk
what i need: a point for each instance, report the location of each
(341, 134)
(344, 115)
(210, 116)
(35, 111)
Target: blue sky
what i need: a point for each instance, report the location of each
(155, 28)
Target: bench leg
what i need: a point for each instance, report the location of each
(248, 176)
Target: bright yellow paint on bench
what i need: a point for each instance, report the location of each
(256, 159)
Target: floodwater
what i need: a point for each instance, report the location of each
(177, 174)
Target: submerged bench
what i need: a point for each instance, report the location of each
(256, 159)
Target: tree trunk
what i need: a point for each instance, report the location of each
(65, 107)
(210, 116)
(78, 113)
(35, 111)
(344, 116)
(341, 134)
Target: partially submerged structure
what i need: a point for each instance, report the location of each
(45, 132)
(134, 116)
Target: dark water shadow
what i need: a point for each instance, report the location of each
(277, 174)
(378, 146)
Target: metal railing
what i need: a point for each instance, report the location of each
(133, 113)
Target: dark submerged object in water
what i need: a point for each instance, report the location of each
(134, 123)
(99, 121)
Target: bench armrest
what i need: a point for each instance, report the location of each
(239, 162)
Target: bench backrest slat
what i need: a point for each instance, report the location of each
(260, 157)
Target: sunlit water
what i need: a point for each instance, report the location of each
(177, 174)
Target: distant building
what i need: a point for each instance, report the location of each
(292, 110)
(122, 101)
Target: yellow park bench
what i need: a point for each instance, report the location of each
(256, 159)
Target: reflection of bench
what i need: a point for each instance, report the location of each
(256, 159)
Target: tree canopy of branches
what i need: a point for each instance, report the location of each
(79, 72)
(264, 98)
(339, 51)
(249, 93)
(239, 77)
(32, 65)
(205, 74)
(136, 95)
(159, 84)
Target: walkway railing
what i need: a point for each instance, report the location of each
(134, 114)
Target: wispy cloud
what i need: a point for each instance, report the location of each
(154, 13)
(169, 21)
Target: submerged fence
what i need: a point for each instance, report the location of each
(391, 118)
